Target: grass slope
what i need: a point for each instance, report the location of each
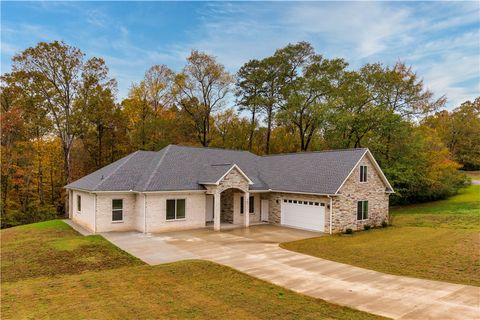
(438, 240)
(76, 277)
(52, 248)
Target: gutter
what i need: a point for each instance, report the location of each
(95, 213)
(144, 213)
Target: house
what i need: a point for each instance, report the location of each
(182, 187)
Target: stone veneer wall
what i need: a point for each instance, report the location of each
(226, 206)
(234, 179)
(275, 201)
(345, 204)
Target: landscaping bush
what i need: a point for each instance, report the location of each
(366, 227)
(348, 231)
(384, 224)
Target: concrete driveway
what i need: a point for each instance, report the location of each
(255, 251)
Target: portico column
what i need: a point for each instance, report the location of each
(216, 211)
(246, 209)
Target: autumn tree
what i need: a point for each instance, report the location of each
(149, 108)
(55, 69)
(201, 90)
(95, 100)
(460, 131)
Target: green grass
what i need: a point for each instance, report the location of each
(50, 271)
(52, 248)
(438, 240)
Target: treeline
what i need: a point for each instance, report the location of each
(61, 119)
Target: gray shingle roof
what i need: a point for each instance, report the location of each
(182, 168)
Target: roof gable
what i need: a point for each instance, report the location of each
(215, 173)
(376, 166)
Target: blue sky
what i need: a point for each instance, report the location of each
(440, 40)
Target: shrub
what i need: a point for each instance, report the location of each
(366, 227)
(384, 224)
(348, 231)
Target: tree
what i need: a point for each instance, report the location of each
(307, 89)
(95, 100)
(149, 107)
(249, 85)
(460, 131)
(201, 89)
(158, 85)
(55, 68)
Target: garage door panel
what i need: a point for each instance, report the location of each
(305, 216)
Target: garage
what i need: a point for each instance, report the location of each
(303, 214)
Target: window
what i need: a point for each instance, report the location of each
(322, 204)
(175, 209)
(241, 205)
(117, 210)
(362, 210)
(251, 205)
(363, 173)
(79, 203)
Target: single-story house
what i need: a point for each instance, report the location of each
(183, 187)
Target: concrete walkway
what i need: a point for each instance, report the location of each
(255, 251)
(77, 227)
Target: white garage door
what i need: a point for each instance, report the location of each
(303, 214)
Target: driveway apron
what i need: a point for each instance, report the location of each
(255, 251)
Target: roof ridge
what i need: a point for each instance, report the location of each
(310, 152)
(211, 148)
(115, 170)
(167, 148)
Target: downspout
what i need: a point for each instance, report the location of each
(331, 210)
(95, 213)
(144, 213)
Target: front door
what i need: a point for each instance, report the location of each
(209, 208)
(264, 210)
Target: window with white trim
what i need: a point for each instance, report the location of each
(79, 203)
(117, 210)
(362, 210)
(175, 209)
(363, 173)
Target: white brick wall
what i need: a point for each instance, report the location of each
(194, 212)
(86, 216)
(104, 212)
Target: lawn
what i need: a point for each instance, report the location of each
(50, 271)
(438, 240)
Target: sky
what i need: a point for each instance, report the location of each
(440, 40)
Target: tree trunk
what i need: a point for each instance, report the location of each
(66, 169)
(52, 189)
(252, 130)
(269, 129)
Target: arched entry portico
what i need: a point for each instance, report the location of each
(234, 181)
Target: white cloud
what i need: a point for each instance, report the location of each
(427, 36)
